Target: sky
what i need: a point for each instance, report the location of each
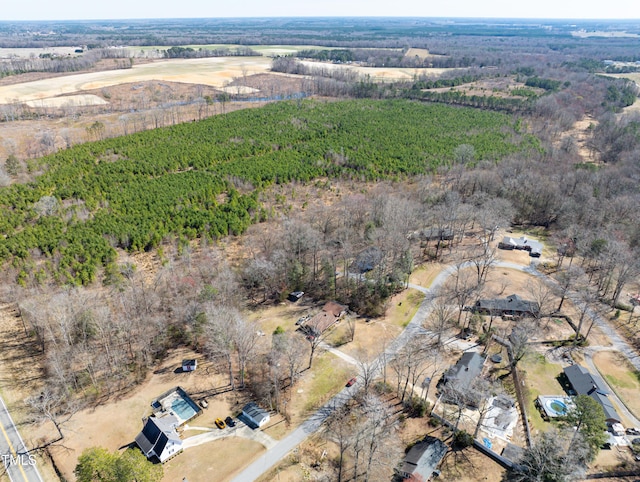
(124, 9)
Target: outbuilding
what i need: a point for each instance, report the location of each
(255, 415)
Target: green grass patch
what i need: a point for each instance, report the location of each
(541, 379)
(329, 376)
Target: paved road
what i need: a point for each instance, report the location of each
(19, 465)
(273, 455)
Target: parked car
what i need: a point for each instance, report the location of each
(295, 295)
(633, 431)
(230, 422)
(636, 441)
(351, 381)
(220, 423)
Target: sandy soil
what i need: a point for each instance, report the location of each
(208, 71)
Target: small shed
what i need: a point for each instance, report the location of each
(189, 365)
(255, 415)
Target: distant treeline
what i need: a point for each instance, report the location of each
(191, 53)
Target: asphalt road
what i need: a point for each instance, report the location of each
(273, 455)
(19, 465)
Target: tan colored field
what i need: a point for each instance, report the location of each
(68, 100)
(420, 53)
(214, 72)
(621, 377)
(217, 460)
(379, 73)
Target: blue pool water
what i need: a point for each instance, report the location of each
(558, 407)
(183, 409)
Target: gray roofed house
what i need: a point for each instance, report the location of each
(512, 305)
(457, 382)
(422, 460)
(534, 247)
(584, 383)
(466, 369)
(255, 415)
(159, 438)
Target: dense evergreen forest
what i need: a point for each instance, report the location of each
(133, 192)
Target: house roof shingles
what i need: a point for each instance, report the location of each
(584, 383)
(511, 304)
(466, 369)
(423, 458)
(156, 433)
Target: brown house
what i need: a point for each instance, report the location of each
(329, 316)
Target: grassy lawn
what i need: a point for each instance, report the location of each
(402, 307)
(327, 377)
(621, 376)
(540, 378)
(217, 460)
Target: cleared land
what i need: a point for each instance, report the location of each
(68, 100)
(214, 72)
(380, 73)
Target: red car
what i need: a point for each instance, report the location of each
(352, 381)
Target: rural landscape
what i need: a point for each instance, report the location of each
(326, 249)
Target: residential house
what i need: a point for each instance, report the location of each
(159, 438)
(512, 305)
(584, 383)
(534, 247)
(329, 316)
(255, 415)
(422, 460)
(462, 376)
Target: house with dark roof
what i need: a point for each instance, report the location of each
(422, 460)
(366, 260)
(468, 367)
(534, 247)
(159, 438)
(584, 383)
(512, 305)
(458, 380)
(329, 316)
(255, 415)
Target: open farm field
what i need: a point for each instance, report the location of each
(216, 71)
(8, 53)
(266, 50)
(380, 73)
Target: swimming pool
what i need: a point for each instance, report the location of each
(183, 409)
(556, 408)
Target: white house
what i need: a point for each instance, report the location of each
(159, 438)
